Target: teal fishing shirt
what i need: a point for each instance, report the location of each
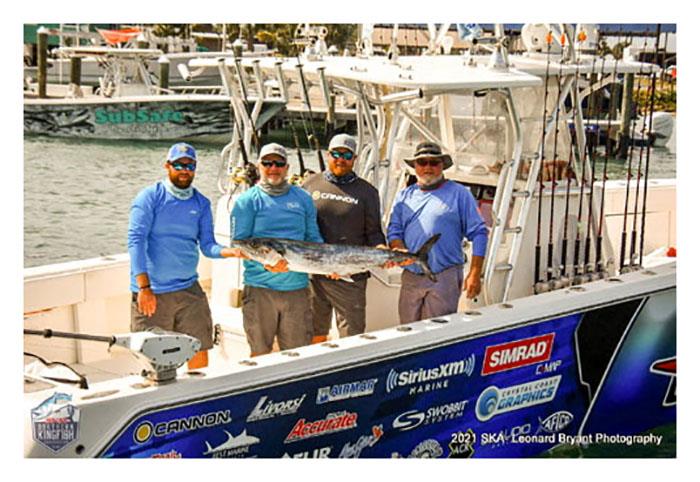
(165, 236)
(256, 214)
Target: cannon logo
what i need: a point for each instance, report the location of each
(429, 379)
(145, 430)
(494, 401)
(519, 353)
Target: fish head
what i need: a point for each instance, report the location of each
(259, 249)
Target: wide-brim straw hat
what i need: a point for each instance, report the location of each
(429, 150)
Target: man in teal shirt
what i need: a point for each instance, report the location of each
(170, 222)
(275, 300)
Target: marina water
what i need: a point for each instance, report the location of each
(77, 193)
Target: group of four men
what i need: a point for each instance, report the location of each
(170, 221)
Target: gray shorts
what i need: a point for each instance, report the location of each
(348, 300)
(268, 313)
(420, 298)
(185, 311)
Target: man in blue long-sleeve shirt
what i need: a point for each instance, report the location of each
(275, 300)
(170, 222)
(435, 205)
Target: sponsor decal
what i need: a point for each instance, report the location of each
(667, 367)
(316, 195)
(505, 435)
(293, 205)
(232, 447)
(519, 353)
(354, 450)
(137, 116)
(548, 367)
(427, 449)
(334, 422)
(317, 453)
(345, 391)
(494, 401)
(55, 422)
(556, 422)
(428, 379)
(145, 430)
(268, 408)
(415, 418)
(462, 445)
(173, 454)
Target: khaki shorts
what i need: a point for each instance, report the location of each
(268, 313)
(185, 311)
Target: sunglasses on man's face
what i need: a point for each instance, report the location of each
(267, 163)
(179, 166)
(429, 162)
(347, 155)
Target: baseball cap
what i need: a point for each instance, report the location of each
(273, 148)
(343, 140)
(180, 150)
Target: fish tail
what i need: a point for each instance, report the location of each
(422, 255)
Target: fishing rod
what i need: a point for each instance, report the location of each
(312, 138)
(600, 268)
(553, 174)
(298, 179)
(244, 92)
(592, 156)
(540, 285)
(633, 238)
(646, 167)
(579, 268)
(630, 156)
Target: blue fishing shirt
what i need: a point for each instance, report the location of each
(256, 214)
(164, 236)
(450, 210)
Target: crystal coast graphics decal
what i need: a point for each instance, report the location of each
(55, 422)
(494, 400)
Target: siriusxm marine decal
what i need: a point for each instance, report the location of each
(232, 447)
(494, 400)
(267, 408)
(334, 422)
(667, 368)
(344, 391)
(556, 422)
(427, 379)
(317, 453)
(406, 406)
(415, 418)
(146, 430)
(55, 422)
(354, 450)
(519, 353)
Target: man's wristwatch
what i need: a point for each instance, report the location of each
(141, 288)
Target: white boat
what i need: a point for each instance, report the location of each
(512, 373)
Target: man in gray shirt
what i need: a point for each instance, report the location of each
(348, 213)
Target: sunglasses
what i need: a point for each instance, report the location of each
(267, 163)
(179, 166)
(429, 162)
(347, 155)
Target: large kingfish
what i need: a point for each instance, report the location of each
(321, 258)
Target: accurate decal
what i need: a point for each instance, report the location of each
(334, 422)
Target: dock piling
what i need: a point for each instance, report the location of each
(623, 135)
(164, 74)
(42, 52)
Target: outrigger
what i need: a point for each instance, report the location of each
(547, 349)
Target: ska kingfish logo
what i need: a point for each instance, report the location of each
(494, 401)
(667, 367)
(145, 430)
(428, 379)
(55, 422)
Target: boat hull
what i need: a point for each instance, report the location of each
(547, 377)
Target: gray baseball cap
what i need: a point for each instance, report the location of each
(343, 140)
(273, 148)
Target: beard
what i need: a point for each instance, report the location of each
(429, 179)
(181, 182)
